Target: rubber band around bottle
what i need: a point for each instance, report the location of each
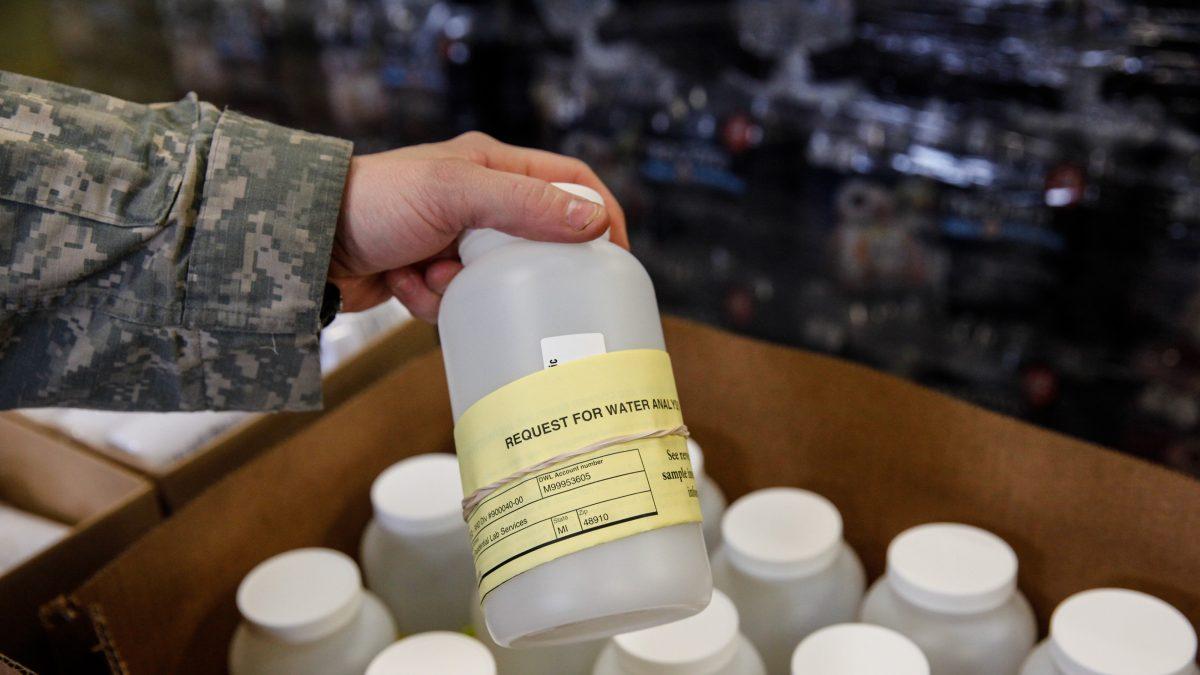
(472, 500)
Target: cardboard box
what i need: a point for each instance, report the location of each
(890, 455)
(107, 507)
(180, 481)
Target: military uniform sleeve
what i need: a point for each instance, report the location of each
(159, 257)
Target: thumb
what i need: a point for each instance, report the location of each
(528, 207)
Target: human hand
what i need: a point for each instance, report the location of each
(404, 209)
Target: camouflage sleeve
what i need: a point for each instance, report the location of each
(159, 257)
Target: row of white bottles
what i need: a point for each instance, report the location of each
(948, 596)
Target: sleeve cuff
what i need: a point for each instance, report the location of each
(259, 259)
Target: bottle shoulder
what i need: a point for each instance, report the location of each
(531, 261)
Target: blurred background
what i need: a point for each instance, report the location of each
(999, 199)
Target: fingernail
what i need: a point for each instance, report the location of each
(581, 213)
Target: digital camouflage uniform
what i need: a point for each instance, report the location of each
(159, 257)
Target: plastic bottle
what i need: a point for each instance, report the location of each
(712, 498)
(858, 649)
(785, 565)
(434, 653)
(511, 294)
(415, 553)
(707, 643)
(305, 612)
(1113, 630)
(577, 657)
(952, 589)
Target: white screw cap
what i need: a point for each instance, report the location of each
(952, 568)
(301, 595)
(1113, 631)
(420, 494)
(434, 652)
(858, 649)
(782, 532)
(700, 643)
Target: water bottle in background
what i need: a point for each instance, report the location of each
(415, 551)
(952, 589)
(788, 570)
(858, 649)
(305, 612)
(434, 653)
(1113, 630)
(708, 642)
(576, 657)
(712, 498)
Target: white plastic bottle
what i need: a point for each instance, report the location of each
(1114, 630)
(952, 589)
(511, 294)
(305, 612)
(786, 567)
(858, 649)
(707, 643)
(415, 553)
(433, 653)
(564, 659)
(712, 498)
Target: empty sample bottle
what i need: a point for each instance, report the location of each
(1113, 630)
(433, 653)
(576, 657)
(511, 294)
(305, 612)
(858, 649)
(952, 589)
(788, 570)
(415, 552)
(708, 643)
(712, 498)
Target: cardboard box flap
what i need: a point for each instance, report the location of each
(888, 453)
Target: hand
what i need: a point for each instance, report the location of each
(404, 209)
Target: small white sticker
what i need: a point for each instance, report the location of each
(560, 349)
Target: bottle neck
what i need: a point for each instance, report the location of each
(474, 243)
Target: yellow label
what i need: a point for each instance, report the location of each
(591, 499)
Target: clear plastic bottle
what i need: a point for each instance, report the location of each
(858, 649)
(566, 659)
(707, 643)
(952, 589)
(434, 653)
(511, 294)
(1114, 630)
(415, 552)
(712, 498)
(305, 612)
(786, 567)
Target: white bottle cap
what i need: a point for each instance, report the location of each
(782, 532)
(697, 457)
(952, 568)
(434, 652)
(473, 243)
(420, 494)
(700, 643)
(1112, 630)
(301, 595)
(858, 649)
